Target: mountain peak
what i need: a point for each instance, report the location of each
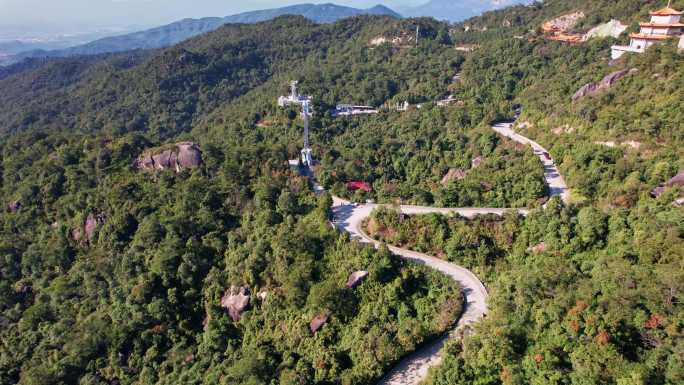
(173, 33)
(380, 9)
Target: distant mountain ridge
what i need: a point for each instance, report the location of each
(458, 10)
(319, 13)
(176, 32)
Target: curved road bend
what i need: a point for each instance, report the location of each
(553, 177)
(348, 217)
(414, 368)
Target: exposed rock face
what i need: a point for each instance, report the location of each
(539, 248)
(613, 28)
(563, 23)
(77, 234)
(677, 181)
(594, 88)
(14, 207)
(186, 155)
(630, 143)
(262, 295)
(91, 224)
(236, 301)
(318, 322)
(88, 229)
(454, 174)
(475, 163)
(356, 278)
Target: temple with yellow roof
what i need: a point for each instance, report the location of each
(665, 24)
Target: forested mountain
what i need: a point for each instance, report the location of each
(319, 13)
(173, 33)
(117, 272)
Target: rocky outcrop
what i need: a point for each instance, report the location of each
(86, 233)
(235, 301)
(91, 224)
(563, 23)
(454, 174)
(539, 248)
(356, 278)
(475, 163)
(605, 83)
(185, 155)
(14, 207)
(677, 181)
(262, 295)
(613, 28)
(318, 322)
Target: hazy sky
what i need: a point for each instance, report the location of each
(78, 14)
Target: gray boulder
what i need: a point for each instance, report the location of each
(186, 155)
(475, 163)
(607, 82)
(91, 224)
(14, 207)
(189, 155)
(86, 232)
(235, 301)
(356, 278)
(454, 174)
(676, 181)
(318, 322)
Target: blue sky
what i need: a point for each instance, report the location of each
(79, 14)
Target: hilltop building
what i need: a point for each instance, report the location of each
(665, 24)
(350, 110)
(294, 97)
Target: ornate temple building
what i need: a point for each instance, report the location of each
(665, 24)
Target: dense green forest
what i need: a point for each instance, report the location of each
(112, 274)
(579, 296)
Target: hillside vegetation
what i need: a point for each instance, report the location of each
(112, 274)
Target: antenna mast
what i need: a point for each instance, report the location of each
(305, 112)
(307, 152)
(293, 90)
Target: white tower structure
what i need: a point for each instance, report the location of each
(307, 153)
(305, 102)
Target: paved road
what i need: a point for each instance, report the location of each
(348, 217)
(553, 178)
(413, 369)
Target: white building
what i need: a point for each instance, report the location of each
(348, 110)
(293, 97)
(446, 102)
(665, 24)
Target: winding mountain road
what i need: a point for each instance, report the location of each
(554, 179)
(348, 217)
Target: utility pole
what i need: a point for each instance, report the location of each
(293, 90)
(305, 102)
(417, 34)
(307, 152)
